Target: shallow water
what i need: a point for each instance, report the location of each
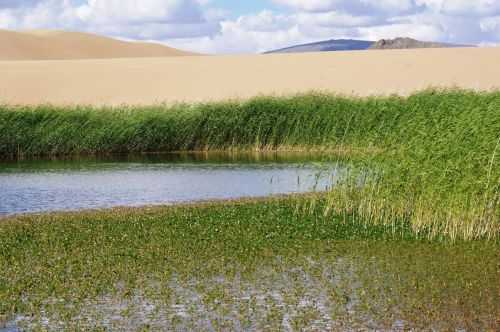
(341, 286)
(67, 185)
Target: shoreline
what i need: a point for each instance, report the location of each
(160, 207)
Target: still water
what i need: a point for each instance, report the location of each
(67, 185)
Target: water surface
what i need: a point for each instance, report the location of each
(89, 183)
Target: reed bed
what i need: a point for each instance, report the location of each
(433, 157)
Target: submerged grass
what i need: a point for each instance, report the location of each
(253, 264)
(432, 158)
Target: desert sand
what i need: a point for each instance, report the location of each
(208, 78)
(53, 45)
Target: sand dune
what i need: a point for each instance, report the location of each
(199, 78)
(51, 45)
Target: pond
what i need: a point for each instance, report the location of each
(91, 183)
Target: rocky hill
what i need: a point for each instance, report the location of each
(357, 45)
(407, 43)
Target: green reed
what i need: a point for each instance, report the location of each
(434, 157)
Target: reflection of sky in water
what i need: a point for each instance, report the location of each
(135, 184)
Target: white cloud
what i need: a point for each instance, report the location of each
(451, 7)
(144, 11)
(456, 21)
(17, 3)
(463, 7)
(198, 25)
(145, 19)
(490, 24)
(352, 6)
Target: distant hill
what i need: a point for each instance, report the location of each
(327, 46)
(60, 45)
(407, 43)
(356, 45)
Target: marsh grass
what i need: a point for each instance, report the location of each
(309, 121)
(262, 264)
(435, 154)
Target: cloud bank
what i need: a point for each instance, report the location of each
(199, 25)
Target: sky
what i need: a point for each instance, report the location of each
(254, 26)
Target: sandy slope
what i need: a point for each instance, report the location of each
(48, 45)
(169, 79)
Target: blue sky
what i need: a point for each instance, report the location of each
(252, 26)
(238, 8)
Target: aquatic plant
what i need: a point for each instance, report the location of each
(242, 262)
(435, 155)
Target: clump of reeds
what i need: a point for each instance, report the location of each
(434, 156)
(440, 170)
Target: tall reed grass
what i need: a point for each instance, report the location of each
(435, 155)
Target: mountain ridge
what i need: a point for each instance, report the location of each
(332, 45)
(326, 46)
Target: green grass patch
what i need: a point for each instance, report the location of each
(239, 263)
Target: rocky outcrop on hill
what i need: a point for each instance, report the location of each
(407, 43)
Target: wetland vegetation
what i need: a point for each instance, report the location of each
(409, 238)
(255, 264)
(435, 154)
